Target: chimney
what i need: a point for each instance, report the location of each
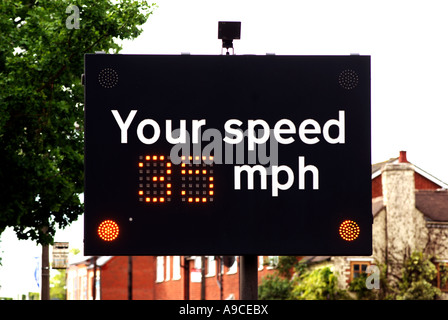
(405, 229)
(399, 199)
(402, 158)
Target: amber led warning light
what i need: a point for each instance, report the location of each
(108, 230)
(349, 230)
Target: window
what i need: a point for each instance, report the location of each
(75, 284)
(272, 262)
(442, 274)
(357, 268)
(198, 263)
(260, 263)
(97, 286)
(168, 268)
(176, 267)
(160, 269)
(84, 287)
(196, 271)
(211, 266)
(233, 268)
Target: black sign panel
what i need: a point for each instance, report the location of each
(230, 155)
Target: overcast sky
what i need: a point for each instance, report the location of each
(405, 39)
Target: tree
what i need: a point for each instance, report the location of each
(293, 280)
(274, 287)
(41, 104)
(278, 286)
(58, 289)
(318, 284)
(417, 279)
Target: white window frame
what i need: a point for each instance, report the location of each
(211, 266)
(234, 267)
(197, 262)
(260, 263)
(273, 262)
(160, 269)
(176, 268)
(168, 268)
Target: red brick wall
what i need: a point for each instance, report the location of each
(143, 277)
(422, 183)
(377, 187)
(175, 289)
(114, 278)
(114, 281)
(170, 290)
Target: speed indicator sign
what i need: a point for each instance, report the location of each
(228, 155)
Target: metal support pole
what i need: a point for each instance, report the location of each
(94, 278)
(248, 278)
(129, 277)
(203, 278)
(186, 278)
(45, 276)
(219, 275)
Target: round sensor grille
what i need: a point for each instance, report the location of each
(108, 78)
(348, 79)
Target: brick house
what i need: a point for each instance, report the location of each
(158, 277)
(410, 210)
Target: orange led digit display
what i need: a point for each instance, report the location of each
(158, 177)
(154, 185)
(194, 180)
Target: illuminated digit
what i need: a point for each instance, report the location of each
(195, 184)
(157, 175)
(154, 179)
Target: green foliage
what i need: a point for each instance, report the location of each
(286, 265)
(359, 288)
(41, 105)
(417, 282)
(273, 287)
(32, 296)
(443, 271)
(74, 251)
(58, 287)
(318, 284)
(278, 286)
(417, 277)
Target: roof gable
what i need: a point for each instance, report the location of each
(377, 168)
(377, 205)
(433, 204)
